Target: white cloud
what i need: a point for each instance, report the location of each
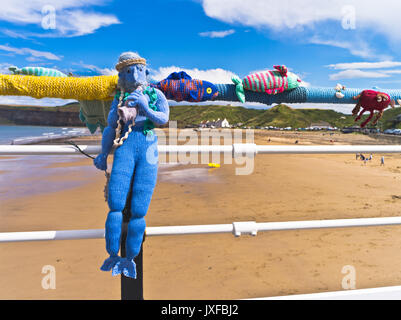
(217, 34)
(392, 71)
(213, 75)
(287, 14)
(14, 34)
(343, 108)
(30, 52)
(357, 48)
(276, 14)
(101, 71)
(78, 22)
(324, 19)
(33, 59)
(73, 18)
(4, 68)
(304, 84)
(356, 73)
(353, 70)
(365, 65)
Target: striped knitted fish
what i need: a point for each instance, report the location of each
(37, 71)
(270, 82)
(179, 86)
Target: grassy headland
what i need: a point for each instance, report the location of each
(191, 115)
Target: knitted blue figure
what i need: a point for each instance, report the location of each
(135, 159)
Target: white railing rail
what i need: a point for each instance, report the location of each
(236, 228)
(235, 149)
(381, 293)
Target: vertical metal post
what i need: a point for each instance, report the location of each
(131, 289)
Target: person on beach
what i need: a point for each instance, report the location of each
(382, 161)
(135, 164)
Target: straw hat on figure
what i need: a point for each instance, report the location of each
(134, 111)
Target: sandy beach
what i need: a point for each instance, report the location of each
(281, 188)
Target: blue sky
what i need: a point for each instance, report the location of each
(326, 43)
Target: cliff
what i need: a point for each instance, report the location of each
(41, 116)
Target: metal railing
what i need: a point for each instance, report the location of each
(382, 293)
(235, 149)
(236, 228)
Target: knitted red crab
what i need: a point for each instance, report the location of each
(371, 100)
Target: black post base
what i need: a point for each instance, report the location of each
(131, 289)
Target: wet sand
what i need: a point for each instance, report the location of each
(281, 188)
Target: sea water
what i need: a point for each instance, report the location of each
(28, 175)
(11, 134)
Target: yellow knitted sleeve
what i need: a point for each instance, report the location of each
(84, 88)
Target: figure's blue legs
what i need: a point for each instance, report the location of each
(144, 184)
(113, 232)
(142, 191)
(112, 235)
(119, 185)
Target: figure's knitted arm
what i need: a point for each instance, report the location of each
(161, 116)
(109, 134)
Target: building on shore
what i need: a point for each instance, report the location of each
(215, 123)
(321, 125)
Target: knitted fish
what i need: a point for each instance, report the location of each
(179, 86)
(37, 71)
(270, 82)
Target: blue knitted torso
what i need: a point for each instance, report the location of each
(141, 120)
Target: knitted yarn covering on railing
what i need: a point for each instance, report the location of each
(102, 88)
(85, 88)
(299, 95)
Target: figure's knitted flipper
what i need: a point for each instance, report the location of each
(110, 263)
(125, 267)
(239, 88)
